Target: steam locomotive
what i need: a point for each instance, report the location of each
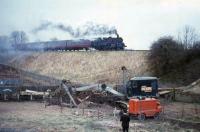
(101, 44)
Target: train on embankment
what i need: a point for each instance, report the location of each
(101, 44)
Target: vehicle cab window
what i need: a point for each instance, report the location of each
(134, 84)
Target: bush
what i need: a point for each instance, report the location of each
(164, 54)
(172, 62)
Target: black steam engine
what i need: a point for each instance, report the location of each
(109, 43)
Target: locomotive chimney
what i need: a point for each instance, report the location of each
(117, 35)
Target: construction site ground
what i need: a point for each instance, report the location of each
(33, 116)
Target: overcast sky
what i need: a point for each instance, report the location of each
(139, 22)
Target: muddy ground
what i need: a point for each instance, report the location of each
(33, 116)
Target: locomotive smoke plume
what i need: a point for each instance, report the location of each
(88, 29)
(43, 26)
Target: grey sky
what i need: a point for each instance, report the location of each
(139, 22)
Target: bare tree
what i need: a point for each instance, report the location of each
(187, 36)
(18, 37)
(4, 43)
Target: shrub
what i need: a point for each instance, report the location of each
(171, 61)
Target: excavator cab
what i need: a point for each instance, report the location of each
(142, 86)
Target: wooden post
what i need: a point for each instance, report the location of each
(83, 111)
(18, 96)
(98, 112)
(5, 96)
(70, 102)
(61, 100)
(182, 111)
(123, 68)
(43, 97)
(174, 94)
(114, 111)
(31, 97)
(50, 97)
(61, 108)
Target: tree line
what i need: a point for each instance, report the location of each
(176, 60)
(15, 37)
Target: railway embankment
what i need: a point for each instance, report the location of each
(84, 67)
